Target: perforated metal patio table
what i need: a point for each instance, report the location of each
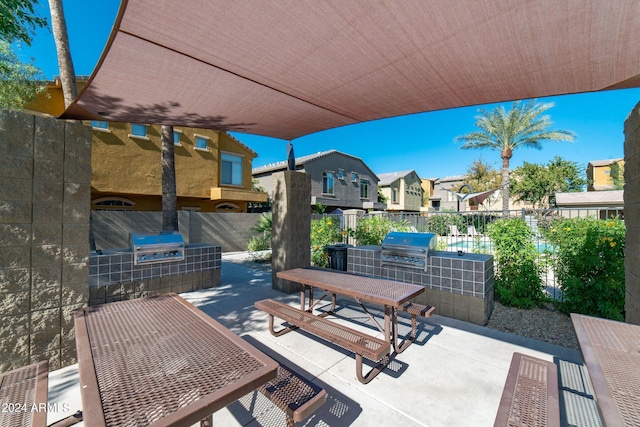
(389, 293)
(161, 361)
(611, 351)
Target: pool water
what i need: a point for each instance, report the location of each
(485, 246)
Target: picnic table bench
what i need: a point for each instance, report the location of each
(293, 394)
(362, 344)
(530, 396)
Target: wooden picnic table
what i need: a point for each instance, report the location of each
(389, 293)
(611, 351)
(161, 361)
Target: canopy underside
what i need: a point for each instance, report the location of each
(290, 68)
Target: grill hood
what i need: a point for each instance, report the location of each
(410, 241)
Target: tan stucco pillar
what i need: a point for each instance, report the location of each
(632, 215)
(291, 228)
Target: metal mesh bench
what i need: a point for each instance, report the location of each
(414, 310)
(363, 345)
(530, 396)
(294, 395)
(23, 395)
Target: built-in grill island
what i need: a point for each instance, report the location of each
(407, 249)
(166, 246)
(457, 285)
(153, 264)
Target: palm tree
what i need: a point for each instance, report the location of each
(522, 126)
(67, 74)
(169, 198)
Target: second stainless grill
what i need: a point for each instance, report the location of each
(155, 248)
(407, 249)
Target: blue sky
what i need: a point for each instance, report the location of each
(423, 142)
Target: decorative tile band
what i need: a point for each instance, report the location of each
(116, 265)
(469, 274)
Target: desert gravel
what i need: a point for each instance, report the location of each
(543, 324)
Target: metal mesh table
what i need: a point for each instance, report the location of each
(371, 289)
(389, 293)
(611, 352)
(23, 391)
(160, 360)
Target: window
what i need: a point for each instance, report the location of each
(99, 124)
(176, 137)
(113, 203)
(607, 172)
(231, 169)
(139, 131)
(354, 177)
(327, 182)
(394, 195)
(341, 174)
(201, 142)
(227, 207)
(364, 189)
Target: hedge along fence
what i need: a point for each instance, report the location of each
(517, 278)
(589, 264)
(583, 255)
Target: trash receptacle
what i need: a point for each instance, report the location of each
(338, 256)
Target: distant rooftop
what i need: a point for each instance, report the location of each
(300, 161)
(453, 178)
(388, 178)
(591, 198)
(604, 162)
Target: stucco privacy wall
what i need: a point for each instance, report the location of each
(45, 177)
(632, 215)
(230, 230)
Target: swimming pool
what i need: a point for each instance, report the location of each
(485, 246)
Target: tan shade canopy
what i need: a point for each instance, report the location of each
(287, 68)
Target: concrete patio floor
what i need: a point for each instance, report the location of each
(453, 375)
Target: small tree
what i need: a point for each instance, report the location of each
(538, 184)
(617, 175)
(482, 176)
(19, 82)
(18, 20)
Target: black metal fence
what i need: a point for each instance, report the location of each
(467, 231)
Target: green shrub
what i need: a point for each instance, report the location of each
(589, 265)
(438, 223)
(258, 243)
(324, 232)
(517, 279)
(264, 225)
(370, 230)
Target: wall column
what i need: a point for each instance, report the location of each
(291, 229)
(632, 215)
(45, 178)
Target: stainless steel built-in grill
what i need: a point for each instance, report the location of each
(407, 249)
(155, 248)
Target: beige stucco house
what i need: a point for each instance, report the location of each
(403, 190)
